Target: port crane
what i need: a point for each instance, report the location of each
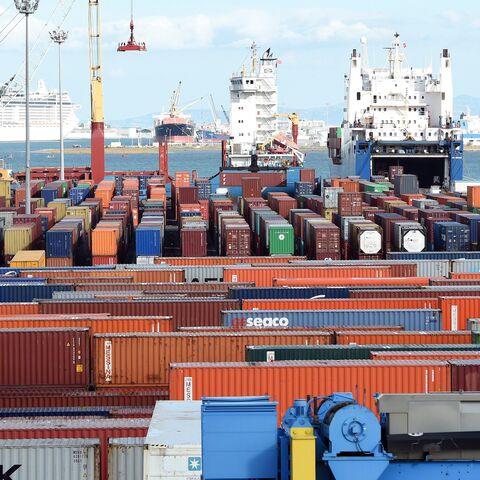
(295, 119)
(227, 117)
(174, 110)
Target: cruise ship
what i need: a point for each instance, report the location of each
(398, 115)
(254, 117)
(470, 124)
(44, 113)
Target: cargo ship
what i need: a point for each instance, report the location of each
(172, 126)
(398, 116)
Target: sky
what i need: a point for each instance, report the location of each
(203, 42)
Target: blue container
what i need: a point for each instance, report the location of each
(148, 241)
(473, 222)
(293, 175)
(452, 237)
(433, 256)
(303, 188)
(49, 194)
(255, 293)
(236, 433)
(28, 293)
(424, 320)
(79, 194)
(59, 243)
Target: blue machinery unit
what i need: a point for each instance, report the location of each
(335, 438)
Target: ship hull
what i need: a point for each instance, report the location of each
(175, 133)
(37, 134)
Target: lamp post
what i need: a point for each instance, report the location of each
(27, 7)
(59, 36)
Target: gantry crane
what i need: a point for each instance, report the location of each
(295, 119)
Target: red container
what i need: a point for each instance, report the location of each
(404, 337)
(341, 304)
(143, 359)
(282, 205)
(354, 282)
(349, 204)
(286, 381)
(268, 179)
(33, 219)
(194, 242)
(9, 309)
(60, 262)
(444, 355)
(204, 211)
(457, 310)
(104, 260)
(188, 195)
(185, 312)
(307, 175)
(237, 240)
(41, 397)
(411, 293)
(465, 375)
(34, 357)
(324, 242)
(251, 187)
(85, 428)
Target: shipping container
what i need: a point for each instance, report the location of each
(125, 458)
(48, 356)
(351, 282)
(457, 310)
(427, 355)
(48, 459)
(243, 293)
(340, 304)
(279, 353)
(402, 337)
(28, 259)
(21, 292)
(136, 360)
(465, 375)
(267, 319)
(194, 381)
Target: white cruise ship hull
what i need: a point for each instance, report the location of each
(37, 134)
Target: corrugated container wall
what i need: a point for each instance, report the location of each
(125, 458)
(70, 459)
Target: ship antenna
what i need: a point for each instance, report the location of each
(254, 58)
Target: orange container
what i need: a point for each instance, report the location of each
(443, 355)
(400, 338)
(473, 196)
(341, 304)
(409, 197)
(350, 282)
(465, 276)
(59, 262)
(457, 310)
(264, 276)
(132, 360)
(96, 323)
(195, 261)
(19, 309)
(287, 381)
(105, 239)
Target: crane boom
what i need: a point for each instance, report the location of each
(225, 114)
(174, 100)
(96, 92)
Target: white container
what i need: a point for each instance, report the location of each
(173, 445)
(50, 459)
(145, 260)
(409, 237)
(370, 242)
(221, 191)
(330, 196)
(125, 458)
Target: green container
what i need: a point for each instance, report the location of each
(474, 210)
(263, 353)
(476, 338)
(280, 240)
(375, 187)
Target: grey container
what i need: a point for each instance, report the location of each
(125, 458)
(330, 196)
(424, 320)
(405, 184)
(50, 459)
(465, 266)
(278, 353)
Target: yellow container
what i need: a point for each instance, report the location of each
(29, 258)
(83, 212)
(5, 190)
(17, 238)
(328, 213)
(60, 209)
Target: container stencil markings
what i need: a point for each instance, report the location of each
(454, 317)
(108, 360)
(188, 388)
(7, 475)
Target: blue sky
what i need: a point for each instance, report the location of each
(203, 42)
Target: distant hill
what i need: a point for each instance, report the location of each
(334, 113)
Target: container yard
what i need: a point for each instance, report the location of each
(267, 321)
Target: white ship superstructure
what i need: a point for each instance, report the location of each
(44, 114)
(398, 115)
(253, 115)
(470, 125)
